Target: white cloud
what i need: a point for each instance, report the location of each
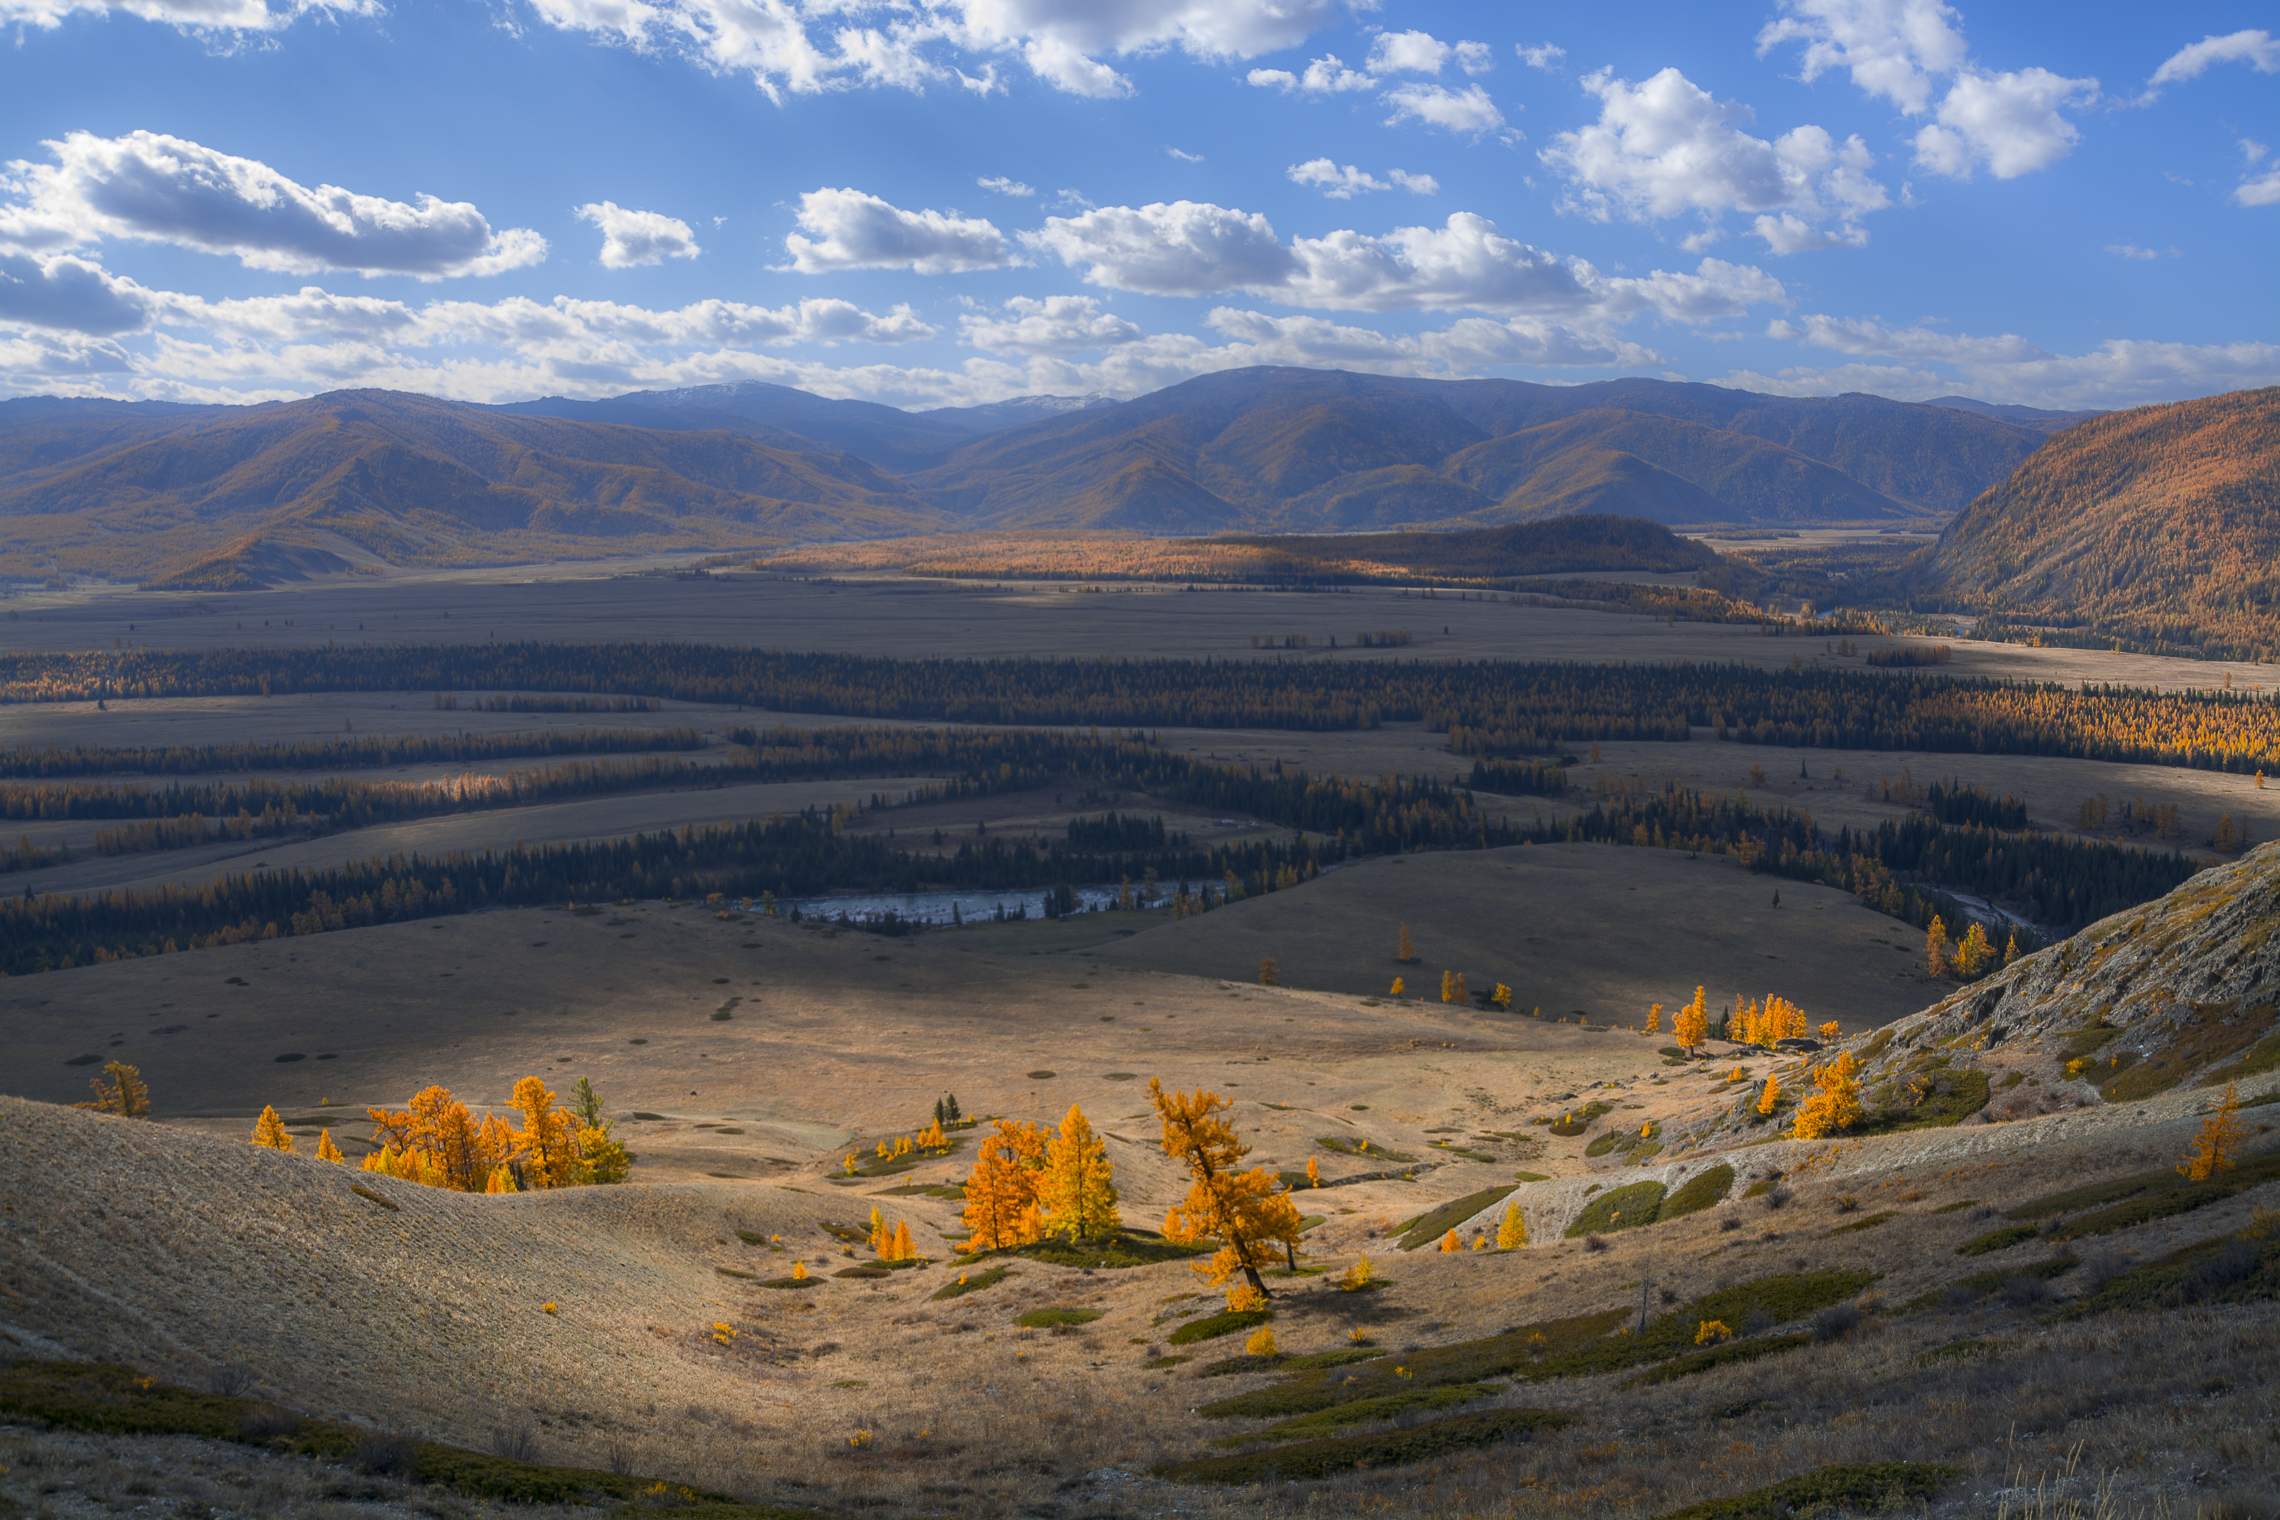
(2256, 48)
(1185, 248)
(631, 238)
(998, 184)
(1185, 157)
(1054, 325)
(2261, 191)
(787, 46)
(1190, 248)
(1541, 55)
(165, 189)
(69, 294)
(2132, 251)
(1343, 184)
(2118, 373)
(857, 231)
(2007, 122)
(202, 16)
(1327, 75)
(1466, 110)
(1666, 147)
(1415, 52)
(1859, 336)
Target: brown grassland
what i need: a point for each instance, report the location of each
(645, 1334)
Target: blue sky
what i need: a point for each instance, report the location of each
(943, 202)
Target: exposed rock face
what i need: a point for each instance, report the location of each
(2181, 989)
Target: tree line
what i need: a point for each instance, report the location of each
(1487, 708)
(1897, 868)
(359, 753)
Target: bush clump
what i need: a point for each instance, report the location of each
(1699, 1192)
(1626, 1208)
(1336, 1454)
(1213, 1326)
(1864, 1486)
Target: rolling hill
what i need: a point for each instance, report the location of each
(2158, 527)
(230, 496)
(218, 496)
(1286, 450)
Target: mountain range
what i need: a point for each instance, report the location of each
(2156, 528)
(217, 496)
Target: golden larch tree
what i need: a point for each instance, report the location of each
(2219, 1139)
(1449, 1242)
(269, 1131)
(1001, 1190)
(1771, 1096)
(1313, 1172)
(1243, 1211)
(1077, 1189)
(1692, 1024)
(1834, 1104)
(1975, 956)
(905, 1248)
(326, 1149)
(1399, 988)
(1448, 986)
(1512, 1234)
(1936, 949)
(1269, 973)
(549, 1146)
(1405, 953)
(1654, 1018)
(120, 1090)
(1831, 1032)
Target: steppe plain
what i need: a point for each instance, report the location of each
(743, 1057)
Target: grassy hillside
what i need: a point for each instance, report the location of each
(2158, 527)
(385, 476)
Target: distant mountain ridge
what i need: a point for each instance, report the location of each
(154, 490)
(2156, 527)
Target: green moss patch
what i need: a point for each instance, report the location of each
(1125, 1248)
(1858, 1225)
(1339, 1145)
(1576, 1121)
(1368, 1412)
(973, 1282)
(1861, 1486)
(793, 1284)
(1999, 1239)
(1626, 1208)
(1949, 1097)
(1046, 1319)
(1718, 1356)
(2229, 1269)
(1313, 1359)
(1213, 1326)
(1699, 1192)
(1428, 1228)
(1336, 1454)
(117, 1400)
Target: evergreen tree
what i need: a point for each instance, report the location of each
(1243, 1211)
(1077, 1190)
(269, 1131)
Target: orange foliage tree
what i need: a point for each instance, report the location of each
(1243, 1211)
(124, 1094)
(1077, 1190)
(2218, 1139)
(1001, 1190)
(1834, 1105)
(269, 1131)
(1691, 1025)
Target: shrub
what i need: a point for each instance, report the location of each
(1212, 1326)
(1699, 1192)
(1047, 1319)
(973, 1282)
(1322, 1458)
(1261, 1343)
(1430, 1228)
(1626, 1208)
(1838, 1321)
(1998, 1240)
(385, 1454)
(1863, 1486)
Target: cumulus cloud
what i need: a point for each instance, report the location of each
(2008, 368)
(790, 48)
(1189, 248)
(1665, 147)
(69, 294)
(2007, 122)
(1415, 52)
(853, 230)
(2262, 190)
(998, 184)
(1344, 183)
(1054, 325)
(1184, 248)
(1466, 110)
(1327, 75)
(204, 16)
(164, 189)
(1541, 55)
(631, 238)
(2255, 48)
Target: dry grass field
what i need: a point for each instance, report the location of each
(905, 617)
